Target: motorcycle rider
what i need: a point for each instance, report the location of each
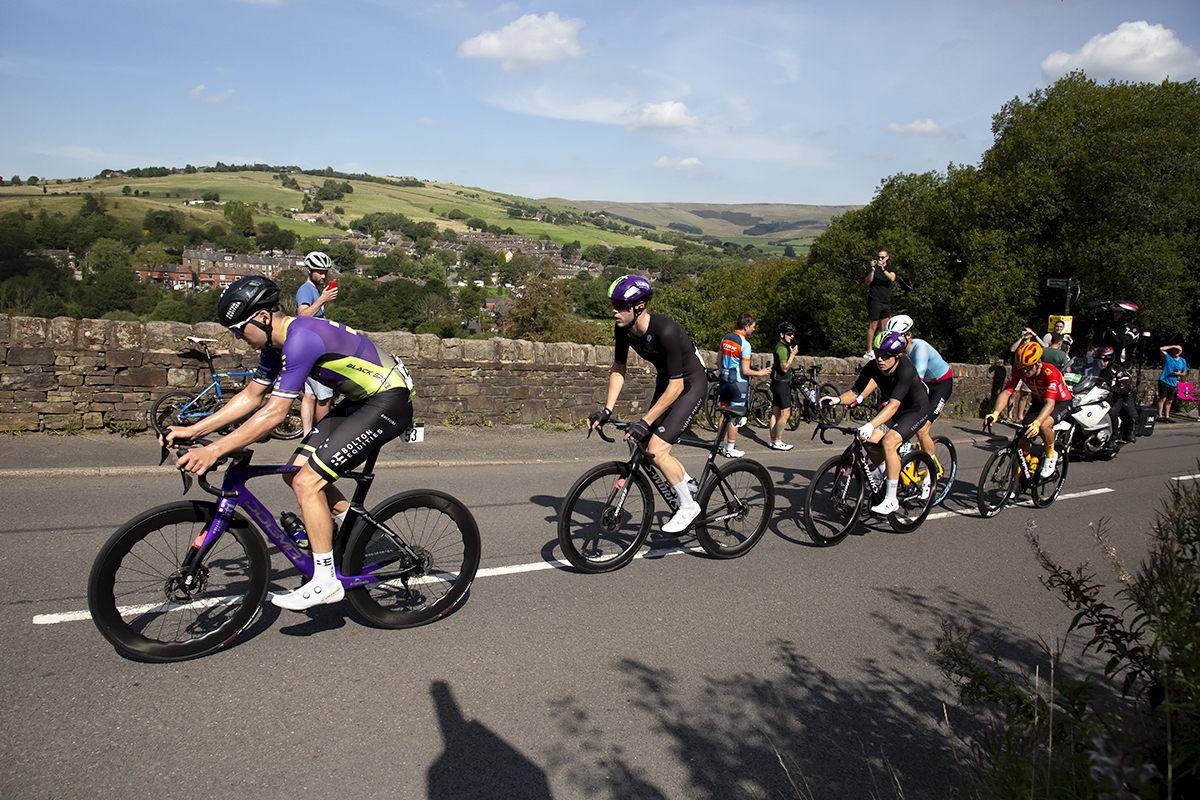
(1120, 337)
(1119, 383)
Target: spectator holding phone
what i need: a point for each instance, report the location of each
(311, 298)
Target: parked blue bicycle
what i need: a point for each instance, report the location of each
(183, 579)
(182, 407)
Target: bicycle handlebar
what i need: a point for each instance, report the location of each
(202, 478)
(619, 423)
(823, 426)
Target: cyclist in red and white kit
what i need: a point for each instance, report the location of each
(1046, 386)
(679, 388)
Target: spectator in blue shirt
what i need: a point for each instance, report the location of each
(1174, 368)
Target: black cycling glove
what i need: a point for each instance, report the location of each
(639, 431)
(600, 416)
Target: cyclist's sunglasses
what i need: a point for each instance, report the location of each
(239, 329)
(621, 305)
(882, 356)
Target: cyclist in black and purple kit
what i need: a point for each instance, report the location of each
(377, 408)
(679, 389)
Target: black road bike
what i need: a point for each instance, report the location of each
(1016, 468)
(607, 514)
(844, 487)
(806, 401)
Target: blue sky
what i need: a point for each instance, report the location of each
(658, 100)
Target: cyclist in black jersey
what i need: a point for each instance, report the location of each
(679, 389)
(377, 408)
(906, 409)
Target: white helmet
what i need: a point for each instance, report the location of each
(318, 261)
(901, 323)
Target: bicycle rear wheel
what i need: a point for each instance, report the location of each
(735, 507)
(947, 462)
(442, 535)
(760, 406)
(867, 409)
(915, 492)
(802, 410)
(605, 518)
(712, 406)
(143, 605)
(833, 502)
(997, 482)
(1046, 490)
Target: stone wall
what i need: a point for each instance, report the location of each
(67, 374)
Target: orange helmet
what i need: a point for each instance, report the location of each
(1029, 354)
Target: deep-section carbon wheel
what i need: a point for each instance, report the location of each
(997, 482)
(915, 492)
(834, 501)
(735, 508)
(947, 462)
(425, 557)
(152, 608)
(605, 518)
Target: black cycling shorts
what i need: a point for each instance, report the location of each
(671, 425)
(781, 394)
(352, 431)
(877, 310)
(907, 424)
(1061, 409)
(939, 393)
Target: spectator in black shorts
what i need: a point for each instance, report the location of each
(781, 383)
(879, 298)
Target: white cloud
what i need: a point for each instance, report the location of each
(680, 164)
(199, 94)
(669, 114)
(1135, 51)
(926, 128)
(529, 41)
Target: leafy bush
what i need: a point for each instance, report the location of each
(1137, 733)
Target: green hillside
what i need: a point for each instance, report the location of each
(788, 224)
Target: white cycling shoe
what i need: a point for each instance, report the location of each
(732, 452)
(684, 517)
(1048, 465)
(309, 595)
(887, 506)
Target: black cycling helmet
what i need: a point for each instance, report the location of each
(786, 327)
(245, 296)
(1125, 307)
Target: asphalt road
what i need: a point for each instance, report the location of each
(678, 676)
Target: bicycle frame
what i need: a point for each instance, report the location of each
(234, 494)
(640, 459)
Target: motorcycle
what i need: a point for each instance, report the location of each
(1091, 427)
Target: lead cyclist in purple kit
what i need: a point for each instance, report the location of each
(377, 408)
(679, 389)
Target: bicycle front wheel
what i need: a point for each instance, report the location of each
(291, 427)
(833, 502)
(997, 482)
(915, 492)
(176, 408)
(735, 507)
(424, 556)
(605, 518)
(947, 463)
(830, 415)
(151, 607)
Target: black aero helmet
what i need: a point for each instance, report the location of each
(786, 327)
(245, 296)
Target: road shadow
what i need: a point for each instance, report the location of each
(476, 763)
(873, 728)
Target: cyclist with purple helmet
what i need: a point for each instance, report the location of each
(679, 389)
(906, 409)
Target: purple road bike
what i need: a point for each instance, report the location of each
(183, 579)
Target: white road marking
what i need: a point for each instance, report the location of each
(1026, 503)
(489, 572)
(1186, 478)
